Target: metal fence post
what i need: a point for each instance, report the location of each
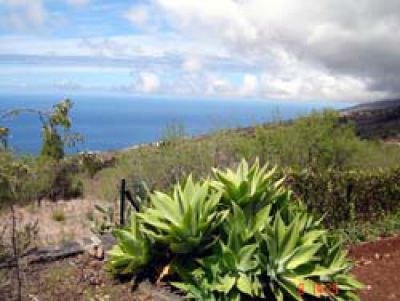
(122, 202)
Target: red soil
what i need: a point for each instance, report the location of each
(378, 267)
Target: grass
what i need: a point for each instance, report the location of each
(358, 232)
(58, 215)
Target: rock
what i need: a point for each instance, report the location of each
(108, 241)
(44, 254)
(96, 252)
(93, 246)
(148, 291)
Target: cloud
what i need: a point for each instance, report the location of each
(192, 65)
(250, 85)
(331, 49)
(340, 40)
(138, 15)
(217, 85)
(24, 14)
(78, 3)
(148, 82)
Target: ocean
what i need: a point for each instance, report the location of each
(111, 122)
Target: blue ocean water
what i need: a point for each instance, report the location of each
(119, 121)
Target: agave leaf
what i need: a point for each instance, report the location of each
(225, 284)
(244, 284)
(302, 255)
(262, 218)
(245, 256)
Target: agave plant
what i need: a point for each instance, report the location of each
(334, 257)
(246, 185)
(291, 257)
(258, 243)
(186, 219)
(132, 250)
(240, 228)
(230, 273)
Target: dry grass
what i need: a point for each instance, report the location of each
(58, 221)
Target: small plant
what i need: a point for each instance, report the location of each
(58, 215)
(91, 163)
(106, 222)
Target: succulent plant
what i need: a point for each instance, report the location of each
(296, 257)
(185, 220)
(132, 250)
(241, 237)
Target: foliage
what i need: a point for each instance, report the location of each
(12, 175)
(53, 144)
(361, 231)
(52, 121)
(246, 185)
(91, 163)
(335, 150)
(299, 254)
(132, 251)
(263, 243)
(185, 220)
(4, 132)
(347, 196)
(36, 178)
(173, 132)
(27, 178)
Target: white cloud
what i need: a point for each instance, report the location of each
(217, 85)
(24, 14)
(148, 82)
(250, 85)
(353, 46)
(331, 49)
(78, 3)
(138, 15)
(192, 65)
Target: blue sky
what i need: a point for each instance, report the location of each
(208, 48)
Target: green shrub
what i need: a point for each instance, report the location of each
(346, 196)
(264, 245)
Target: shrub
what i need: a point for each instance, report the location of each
(345, 196)
(263, 243)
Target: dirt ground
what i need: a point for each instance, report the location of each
(57, 221)
(82, 278)
(378, 267)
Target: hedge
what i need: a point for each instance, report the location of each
(345, 196)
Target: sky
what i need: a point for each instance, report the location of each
(336, 50)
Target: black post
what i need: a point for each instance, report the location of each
(122, 203)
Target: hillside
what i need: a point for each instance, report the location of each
(379, 119)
